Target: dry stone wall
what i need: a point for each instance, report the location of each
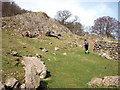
(107, 49)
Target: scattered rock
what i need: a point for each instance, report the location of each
(45, 50)
(50, 43)
(53, 34)
(111, 81)
(54, 54)
(69, 43)
(80, 46)
(12, 83)
(56, 48)
(65, 54)
(14, 53)
(2, 86)
(36, 22)
(48, 59)
(34, 70)
(105, 82)
(95, 81)
(38, 55)
(23, 86)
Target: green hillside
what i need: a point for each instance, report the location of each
(73, 70)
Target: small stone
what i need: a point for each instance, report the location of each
(56, 48)
(54, 54)
(81, 46)
(2, 87)
(65, 54)
(14, 53)
(12, 83)
(50, 43)
(23, 86)
(48, 59)
(45, 50)
(38, 55)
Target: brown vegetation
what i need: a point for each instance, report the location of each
(11, 9)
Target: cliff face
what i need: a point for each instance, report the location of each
(34, 22)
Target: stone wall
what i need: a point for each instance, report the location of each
(107, 49)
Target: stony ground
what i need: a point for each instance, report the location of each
(67, 64)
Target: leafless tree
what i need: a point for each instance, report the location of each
(11, 8)
(105, 26)
(74, 25)
(62, 16)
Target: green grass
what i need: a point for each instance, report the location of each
(72, 71)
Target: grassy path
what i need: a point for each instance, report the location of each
(76, 69)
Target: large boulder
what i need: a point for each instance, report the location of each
(107, 81)
(34, 70)
(53, 34)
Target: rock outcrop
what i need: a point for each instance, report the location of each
(110, 50)
(107, 81)
(34, 70)
(32, 24)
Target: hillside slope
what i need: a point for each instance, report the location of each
(68, 67)
(71, 70)
(34, 22)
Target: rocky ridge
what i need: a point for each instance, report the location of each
(34, 23)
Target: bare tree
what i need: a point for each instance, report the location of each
(105, 26)
(62, 16)
(72, 24)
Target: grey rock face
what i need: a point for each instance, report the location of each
(34, 70)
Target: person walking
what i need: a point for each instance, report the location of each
(86, 46)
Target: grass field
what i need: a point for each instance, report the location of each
(74, 70)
